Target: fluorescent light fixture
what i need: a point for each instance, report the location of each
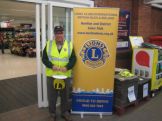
(157, 5)
(155, 1)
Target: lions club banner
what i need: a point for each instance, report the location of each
(95, 41)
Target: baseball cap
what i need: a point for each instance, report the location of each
(58, 29)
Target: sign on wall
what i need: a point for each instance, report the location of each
(95, 40)
(123, 29)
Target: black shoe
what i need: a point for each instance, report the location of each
(53, 117)
(66, 116)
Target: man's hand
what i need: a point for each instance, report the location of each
(55, 68)
(63, 69)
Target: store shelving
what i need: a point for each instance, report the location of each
(8, 34)
(24, 43)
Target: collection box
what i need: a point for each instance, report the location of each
(144, 88)
(125, 90)
(147, 63)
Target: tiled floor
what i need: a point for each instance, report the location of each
(148, 111)
(12, 66)
(17, 93)
(30, 113)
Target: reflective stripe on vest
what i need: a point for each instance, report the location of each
(49, 50)
(69, 49)
(59, 59)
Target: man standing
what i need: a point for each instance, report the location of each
(2, 42)
(59, 58)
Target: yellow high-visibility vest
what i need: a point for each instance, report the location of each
(57, 58)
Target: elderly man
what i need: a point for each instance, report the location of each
(59, 58)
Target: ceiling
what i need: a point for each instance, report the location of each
(21, 12)
(17, 12)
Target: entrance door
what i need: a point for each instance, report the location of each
(53, 16)
(50, 13)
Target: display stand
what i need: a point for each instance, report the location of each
(82, 114)
(148, 64)
(24, 43)
(9, 34)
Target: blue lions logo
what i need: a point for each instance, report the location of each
(94, 53)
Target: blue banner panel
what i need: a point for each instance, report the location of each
(88, 102)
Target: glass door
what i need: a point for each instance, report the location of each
(48, 15)
(59, 16)
(62, 17)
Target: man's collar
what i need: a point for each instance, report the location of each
(60, 43)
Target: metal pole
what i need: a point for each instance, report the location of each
(72, 25)
(39, 83)
(50, 22)
(43, 33)
(67, 31)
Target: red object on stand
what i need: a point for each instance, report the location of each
(157, 40)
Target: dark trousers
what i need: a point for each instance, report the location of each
(54, 93)
(2, 47)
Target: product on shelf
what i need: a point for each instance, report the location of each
(8, 34)
(24, 42)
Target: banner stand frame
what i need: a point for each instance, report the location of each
(92, 113)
